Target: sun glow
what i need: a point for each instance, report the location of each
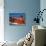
(1, 20)
(1, 24)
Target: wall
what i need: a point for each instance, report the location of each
(29, 7)
(43, 6)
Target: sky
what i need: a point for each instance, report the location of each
(17, 14)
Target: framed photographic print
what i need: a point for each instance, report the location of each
(16, 18)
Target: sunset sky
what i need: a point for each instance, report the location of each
(16, 14)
